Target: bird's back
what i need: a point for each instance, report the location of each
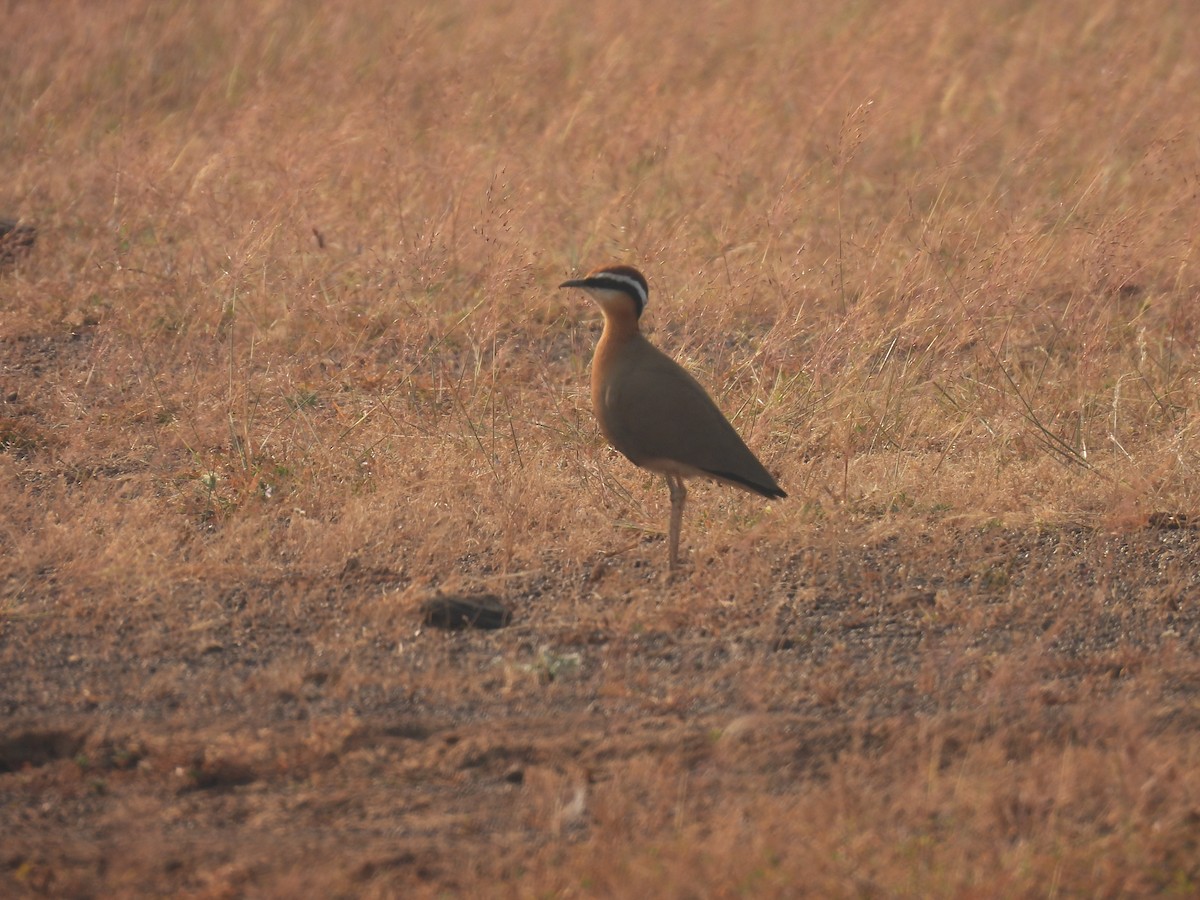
(660, 417)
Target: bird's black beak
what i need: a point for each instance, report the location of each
(575, 282)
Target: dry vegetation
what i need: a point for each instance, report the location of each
(288, 357)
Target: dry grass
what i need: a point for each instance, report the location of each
(288, 356)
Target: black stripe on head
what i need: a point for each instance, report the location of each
(626, 279)
(622, 279)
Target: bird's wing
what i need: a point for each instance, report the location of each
(654, 410)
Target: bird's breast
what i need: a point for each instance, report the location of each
(611, 370)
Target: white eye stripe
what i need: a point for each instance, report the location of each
(635, 287)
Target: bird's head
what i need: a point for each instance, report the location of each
(615, 288)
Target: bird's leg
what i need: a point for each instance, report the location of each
(678, 495)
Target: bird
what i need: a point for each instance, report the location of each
(652, 410)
